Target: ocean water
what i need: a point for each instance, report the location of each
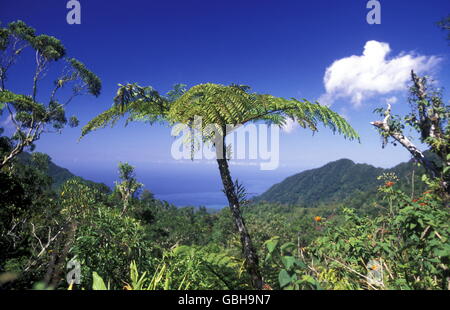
(189, 184)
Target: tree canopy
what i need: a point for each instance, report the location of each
(216, 104)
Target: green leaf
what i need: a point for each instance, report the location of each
(445, 252)
(271, 244)
(284, 278)
(182, 250)
(309, 279)
(99, 284)
(288, 246)
(288, 261)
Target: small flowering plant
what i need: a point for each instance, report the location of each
(388, 190)
(389, 180)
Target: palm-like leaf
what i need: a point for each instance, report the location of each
(140, 103)
(217, 104)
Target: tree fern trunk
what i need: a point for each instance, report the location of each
(252, 262)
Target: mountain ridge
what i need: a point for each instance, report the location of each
(339, 182)
(60, 174)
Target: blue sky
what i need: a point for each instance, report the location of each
(278, 47)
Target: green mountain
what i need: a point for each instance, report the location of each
(59, 174)
(340, 182)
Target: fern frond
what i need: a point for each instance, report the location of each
(140, 103)
(219, 105)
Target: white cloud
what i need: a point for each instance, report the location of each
(391, 100)
(372, 73)
(289, 125)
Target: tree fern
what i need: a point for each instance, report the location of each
(217, 104)
(220, 106)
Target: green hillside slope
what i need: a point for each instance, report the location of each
(339, 182)
(60, 174)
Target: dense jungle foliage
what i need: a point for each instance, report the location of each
(166, 247)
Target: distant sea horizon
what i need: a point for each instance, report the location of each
(188, 184)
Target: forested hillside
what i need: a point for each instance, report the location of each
(58, 174)
(341, 182)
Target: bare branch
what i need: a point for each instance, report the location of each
(405, 142)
